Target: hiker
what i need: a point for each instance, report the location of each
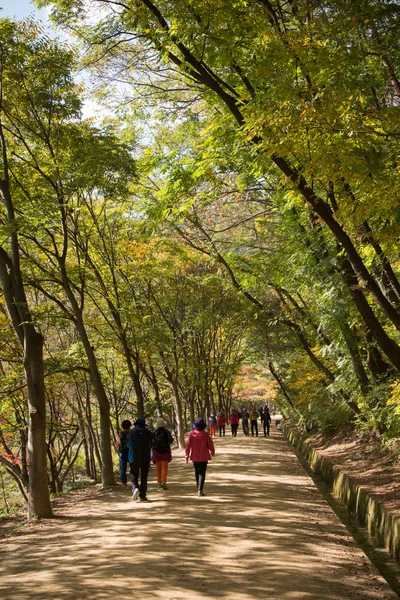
(200, 449)
(245, 422)
(212, 423)
(266, 419)
(221, 424)
(161, 456)
(122, 449)
(253, 422)
(140, 441)
(234, 422)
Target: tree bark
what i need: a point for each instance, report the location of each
(275, 375)
(11, 280)
(387, 345)
(107, 468)
(38, 497)
(178, 407)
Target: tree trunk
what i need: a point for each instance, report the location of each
(379, 368)
(139, 392)
(178, 408)
(39, 504)
(107, 468)
(358, 366)
(281, 385)
(387, 345)
(12, 284)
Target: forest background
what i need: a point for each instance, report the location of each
(224, 232)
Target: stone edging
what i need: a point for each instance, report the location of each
(378, 520)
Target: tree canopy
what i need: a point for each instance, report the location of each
(235, 219)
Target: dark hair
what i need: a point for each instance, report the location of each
(126, 424)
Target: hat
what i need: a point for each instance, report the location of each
(199, 424)
(140, 421)
(160, 422)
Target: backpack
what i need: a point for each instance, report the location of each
(122, 442)
(160, 442)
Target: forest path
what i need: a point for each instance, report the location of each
(262, 531)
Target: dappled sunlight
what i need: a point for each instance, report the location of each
(262, 530)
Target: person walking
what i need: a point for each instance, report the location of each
(234, 422)
(161, 456)
(221, 424)
(140, 441)
(253, 422)
(122, 449)
(199, 449)
(212, 423)
(266, 419)
(245, 422)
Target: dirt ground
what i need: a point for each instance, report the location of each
(362, 459)
(262, 531)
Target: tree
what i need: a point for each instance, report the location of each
(18, 49)
(291, 118)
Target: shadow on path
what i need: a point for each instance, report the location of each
(262, 531)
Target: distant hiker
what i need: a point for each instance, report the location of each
(140, 442)
(122, 449)
(234, 422)
(200, 449)
(162, 440)
(266, 419)
(253, 422)
(221, 424)
(212, 423)
(245, 422)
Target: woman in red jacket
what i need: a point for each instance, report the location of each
(234, 422)
(221, 424)
(200, 449)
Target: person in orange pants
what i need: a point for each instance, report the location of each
(212, 423)
(161, 456)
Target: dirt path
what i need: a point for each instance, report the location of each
(262, 531)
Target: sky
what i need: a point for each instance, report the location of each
(25, 8)
(22, 9)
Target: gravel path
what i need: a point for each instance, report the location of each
(262, 531)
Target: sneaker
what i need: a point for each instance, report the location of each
(164, 485)
(160, 485)
(124, 484)
(200, 493)
(135, 494)
(143, 499)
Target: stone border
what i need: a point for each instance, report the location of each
(380, 523)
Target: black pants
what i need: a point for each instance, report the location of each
(221, 430)
(254, 428)
(266, 427)
(234, 428)
(144, 473)
(245, 425)
(200, 469)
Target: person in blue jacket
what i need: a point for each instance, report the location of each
(139, 446)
